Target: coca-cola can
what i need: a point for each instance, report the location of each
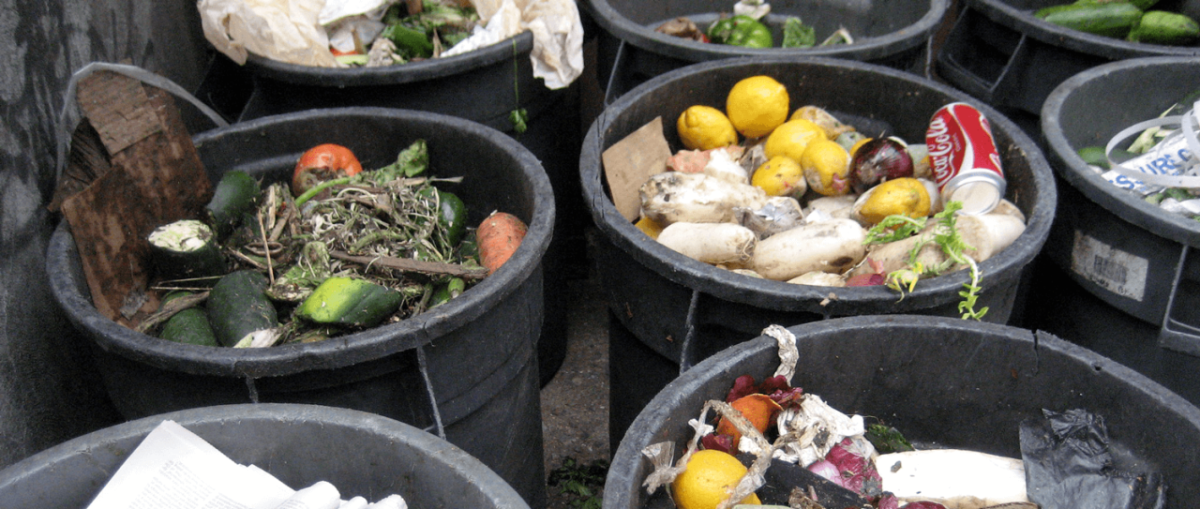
(964, 158)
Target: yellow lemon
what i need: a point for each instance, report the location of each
(709, 477)
(780, 176)
(757, 105)
(791, 138)
(826, 168)
(705, 128)
(902, 196)
(857, 144)
(649, 226)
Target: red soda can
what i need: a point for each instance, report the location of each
(964, 159)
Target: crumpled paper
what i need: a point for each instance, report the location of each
(817, 427)
(301, 31)
(281, 30)
(557, 54)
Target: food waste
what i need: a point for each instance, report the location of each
(806, 198)
(746, 26)
(336, 249)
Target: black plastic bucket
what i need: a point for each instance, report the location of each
(483, 85)
(361, 454)
(1133, 257)
(682, 310)
(953, 383)
(998, 52)
(895, 33)
(472, 357)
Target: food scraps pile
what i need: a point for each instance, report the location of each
(809, 199)
(336, 250)
(776, 446)
(746, 28)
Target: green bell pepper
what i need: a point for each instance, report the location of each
(741, 31)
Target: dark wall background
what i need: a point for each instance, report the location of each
(48, 391)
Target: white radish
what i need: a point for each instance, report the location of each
(832, 246)
(818, 279)
(710, 242)
(672, 197)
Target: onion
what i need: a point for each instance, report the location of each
(877, 160)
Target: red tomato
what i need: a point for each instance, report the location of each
(323, 162)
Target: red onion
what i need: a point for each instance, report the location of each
(877, 160)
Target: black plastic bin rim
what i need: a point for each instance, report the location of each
(457, 463)
(339, 351)
(627, 458)
(866, 48)
(1110, 48)
(516, 46)
(1124, 204)
(780, 295)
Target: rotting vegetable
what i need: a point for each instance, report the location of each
(354, 250)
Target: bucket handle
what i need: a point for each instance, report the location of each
(978, 86)
(613, 81)
(423, 365)
(68, 117)
(1174, 334)
(687, 352)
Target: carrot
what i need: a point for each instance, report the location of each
(498, 237)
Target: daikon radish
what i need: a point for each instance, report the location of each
(672, 197)
(710, 242)
(818, 279)
(832, 246)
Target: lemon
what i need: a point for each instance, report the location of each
(858, 144)
(826, 167)
(780, 176)
(757, 105)
(829, 123)
(649, 226)
(791, 138)
(707, 480)
(705, 128)
(902, 196)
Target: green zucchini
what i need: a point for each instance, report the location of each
(447, 291)
(1161, 27)
(452, 214)
(189, 326)
(236, 194)
(238, 307)
(185, 249)
(350, 302)
(1111, 19)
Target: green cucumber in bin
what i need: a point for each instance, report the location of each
(350, 302)
(236, 194)
(1161, 27)
(1110, 19)
(238, 307)
(186, 249)
(189, 326)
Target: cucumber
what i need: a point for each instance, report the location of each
(189, 326)
(447, 291)
(1161, 27)
(238, 306)
(1094, 155)
(350, 302)
(1111, 19)
(185, 249)
(236, 194)
(1140, 4)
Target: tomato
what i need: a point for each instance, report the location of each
(323, 162)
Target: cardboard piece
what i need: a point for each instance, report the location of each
(153, 177)
(633, 160)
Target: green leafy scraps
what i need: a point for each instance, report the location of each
(947, 238)
(583, 484)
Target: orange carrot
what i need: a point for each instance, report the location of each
(498, 238)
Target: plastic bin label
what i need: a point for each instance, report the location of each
(1114, 270)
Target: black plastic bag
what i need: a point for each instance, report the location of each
(1068, 464)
